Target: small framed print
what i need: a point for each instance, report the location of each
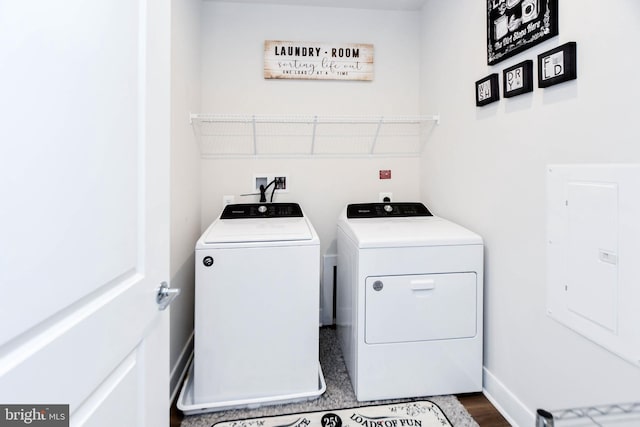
(487, 90)
(557, 65)
(517, 79)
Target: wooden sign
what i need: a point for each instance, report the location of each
(317, 61)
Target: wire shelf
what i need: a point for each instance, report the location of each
(224, 135)
(620, 415)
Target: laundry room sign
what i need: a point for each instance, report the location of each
(317, 61)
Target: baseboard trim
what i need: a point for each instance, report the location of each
(507, 403)
(179, 371)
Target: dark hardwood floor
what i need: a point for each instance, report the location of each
(176, 415)
(478, 406)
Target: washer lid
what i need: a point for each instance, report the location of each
(413, 231)
(258, 230)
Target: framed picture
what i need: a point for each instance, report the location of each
(557, 65)
(487, 90)
(518, 79)
(516, 25)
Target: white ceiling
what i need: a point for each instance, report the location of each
(355, 4)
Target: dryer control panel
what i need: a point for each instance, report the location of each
(381, 210)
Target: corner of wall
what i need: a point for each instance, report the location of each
(505, 401)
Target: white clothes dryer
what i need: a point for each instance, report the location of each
(409, 302)
(256, 308)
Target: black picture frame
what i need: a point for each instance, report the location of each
(517, 79)
(516, 25)
(487, 90)
(557, 65)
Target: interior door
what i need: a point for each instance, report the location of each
(84, 202)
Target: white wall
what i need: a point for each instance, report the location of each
(185, 176)
(233, 38)
(485, 168)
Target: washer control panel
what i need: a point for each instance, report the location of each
(261, 210)
(392, 209)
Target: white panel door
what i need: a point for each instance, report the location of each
(84, 167)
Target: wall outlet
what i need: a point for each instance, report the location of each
(382, 196)
(260, 180)
(281, 185)
(281, 182)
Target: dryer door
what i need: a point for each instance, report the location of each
(420, 307)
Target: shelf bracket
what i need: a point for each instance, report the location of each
(375, 136)
(313, 134)
(255, 138)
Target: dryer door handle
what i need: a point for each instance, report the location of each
(422, 285)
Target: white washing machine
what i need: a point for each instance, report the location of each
(409, 302)
(256, 309)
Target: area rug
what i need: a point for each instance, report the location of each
(339, 395)
(422, 413)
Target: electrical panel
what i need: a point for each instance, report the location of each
(593, 245)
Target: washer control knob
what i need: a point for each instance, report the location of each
(262, 209)
(377, 286)
(388, 208)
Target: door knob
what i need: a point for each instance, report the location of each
(165, 295)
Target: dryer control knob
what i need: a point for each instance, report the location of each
(388, 208)
(262, 209)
